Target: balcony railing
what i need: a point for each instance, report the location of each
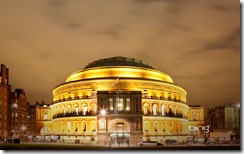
(162, 98)
(169, 114)
(74, 114)
(144, 97)
(72, 98)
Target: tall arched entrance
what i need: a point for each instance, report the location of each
(119, 130)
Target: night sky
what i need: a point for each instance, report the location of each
(196, 42)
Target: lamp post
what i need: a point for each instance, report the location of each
(23, 129)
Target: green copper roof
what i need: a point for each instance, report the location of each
(118, 61)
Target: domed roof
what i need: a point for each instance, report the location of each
(118, 61)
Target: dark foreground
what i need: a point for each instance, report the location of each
(70, 147)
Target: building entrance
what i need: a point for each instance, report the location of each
(119, 132)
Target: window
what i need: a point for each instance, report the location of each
(76, 110)
(145, 108)
(69, 109)
(111, 104)
(84, 109)
(154, 109)
(93, 125)
(64, 109)
(68, 125)
(127, 104)
(155, 126)
(163, 110)
(76, 125)
(120, 104)
(84, 126)
(147, 126)
(45, 116)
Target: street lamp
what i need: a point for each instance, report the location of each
(23, 129)
(103, 112)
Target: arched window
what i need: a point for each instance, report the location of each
(163, 110)
(145, 109)
(76, 110)
(154, 109)
(64, 110)
(175, 110)
(84, 109)
(69, 109)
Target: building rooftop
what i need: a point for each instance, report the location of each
(118, 61)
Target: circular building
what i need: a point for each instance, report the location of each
(119, 100)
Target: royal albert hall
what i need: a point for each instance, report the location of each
(119, 100)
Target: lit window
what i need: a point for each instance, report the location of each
(69, 109)
(127, 104)
(45, 116)
(111, 104)
(163, 110)
(154, 109)
(76, 110)
(120, 104)
(145, 108)
(84, 109)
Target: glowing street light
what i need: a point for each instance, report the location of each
(103, 112)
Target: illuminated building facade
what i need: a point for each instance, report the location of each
(14, 119)
(197, 126)
(116, 100)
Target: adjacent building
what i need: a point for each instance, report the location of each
(13, 108)
(224, 119)
(197, 128)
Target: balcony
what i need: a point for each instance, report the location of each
(72, 98)
(73, 114)
(162, 98)
(169, 114)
